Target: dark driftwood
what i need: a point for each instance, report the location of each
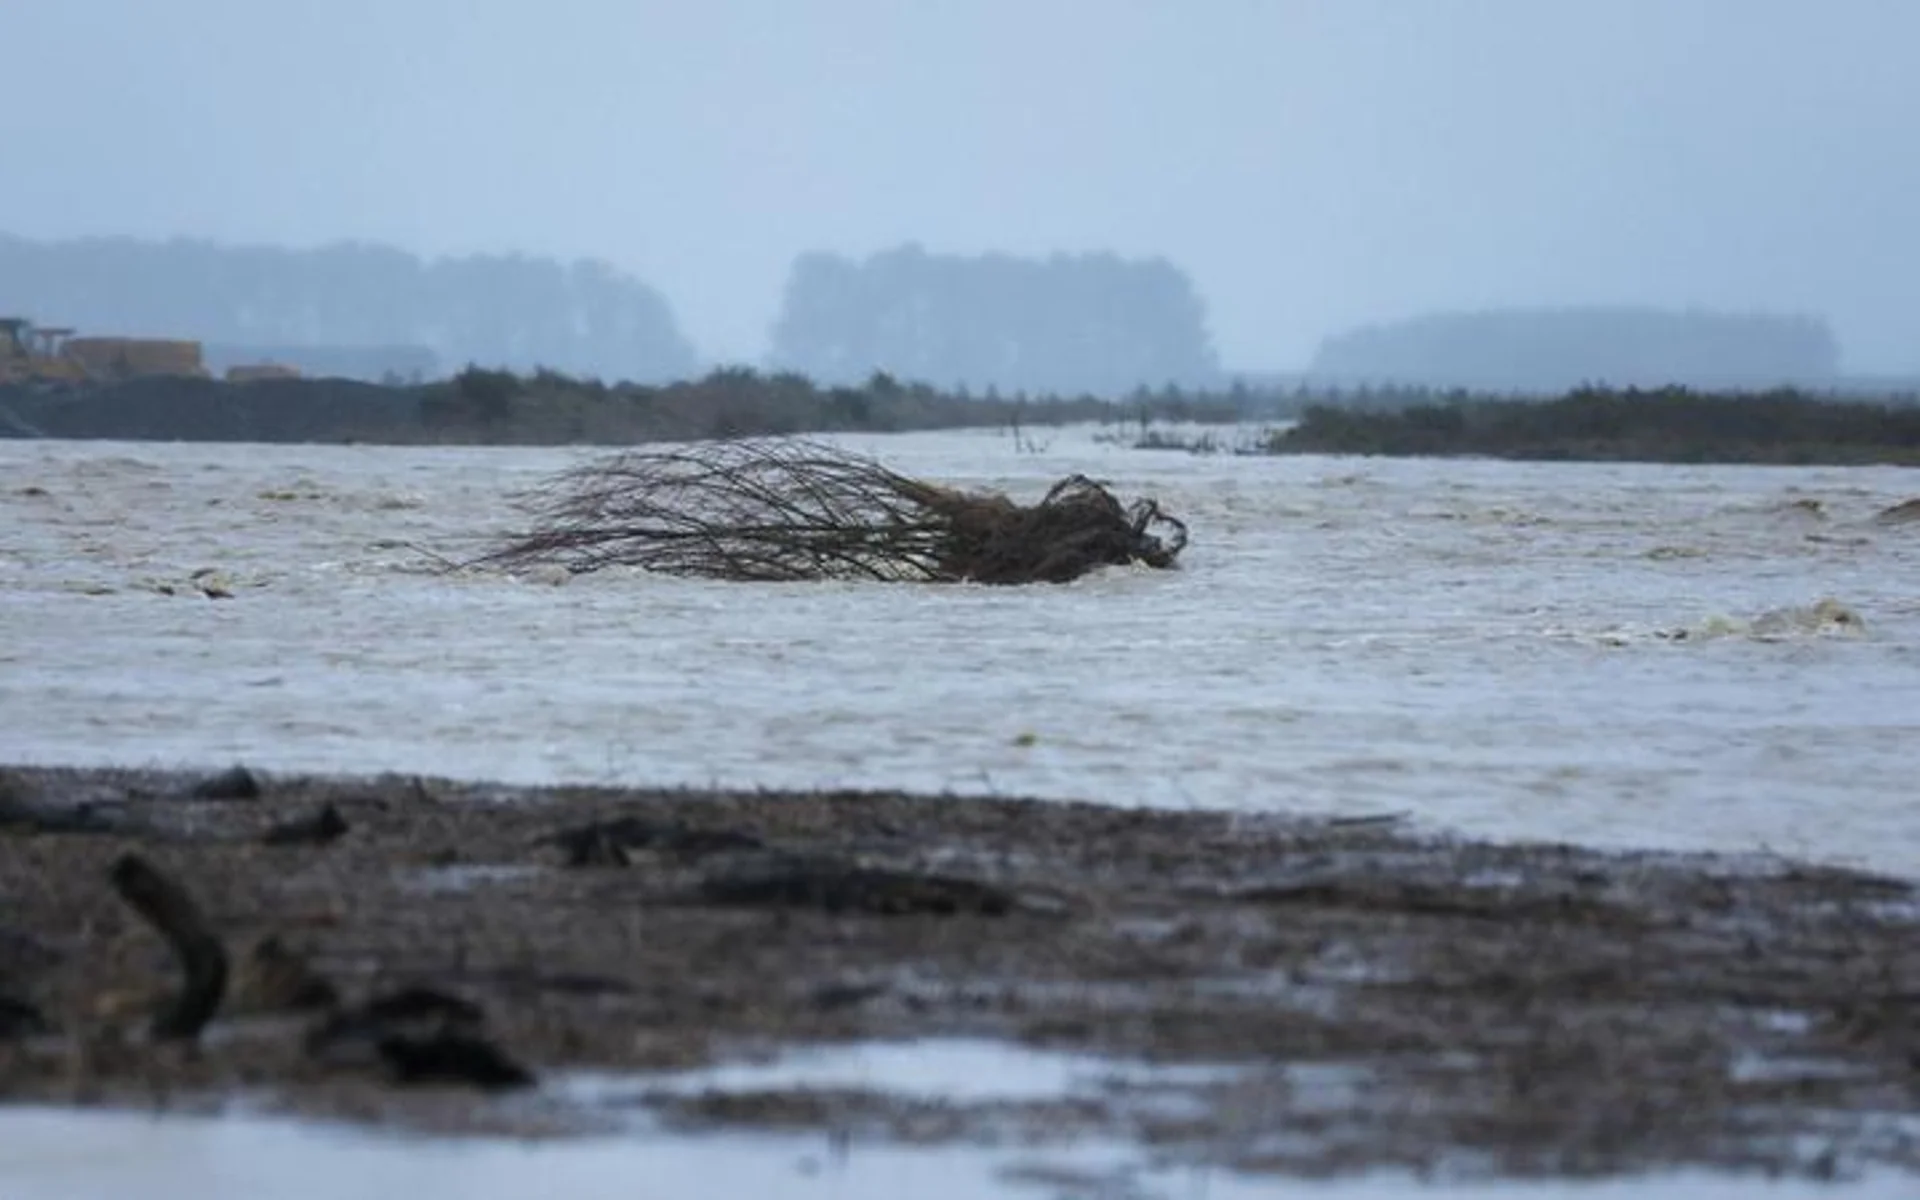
(607, 843)
(421, 1036)
(318, 829)
(165, 905)
(797, 881)
(792, 509)
(21, 1019)
(25, 809)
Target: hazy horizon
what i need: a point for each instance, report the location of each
(1312, 166)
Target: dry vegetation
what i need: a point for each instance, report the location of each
(793, 509)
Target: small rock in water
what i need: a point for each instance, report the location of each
(212, 584)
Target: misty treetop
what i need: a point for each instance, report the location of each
(1069, 323)
(496, 310)
(1550, 349)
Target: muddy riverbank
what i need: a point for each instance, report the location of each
(1313, 995)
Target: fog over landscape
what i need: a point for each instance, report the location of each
(967, 599)
(1311, 168)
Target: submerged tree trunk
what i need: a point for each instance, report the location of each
(792, 509)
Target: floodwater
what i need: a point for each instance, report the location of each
(52, 1156)
(1486, 646)
(1635, 655)
(56, 1155)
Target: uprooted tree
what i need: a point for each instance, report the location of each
(794, 509)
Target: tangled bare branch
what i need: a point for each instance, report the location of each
(794, 509)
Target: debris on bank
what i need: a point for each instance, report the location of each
(1317, 997)
(792, 509)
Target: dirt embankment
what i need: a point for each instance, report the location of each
(425, 952)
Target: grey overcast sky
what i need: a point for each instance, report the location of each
(1312, 163)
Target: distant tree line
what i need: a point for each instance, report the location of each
(483, 405)
(1542, 350)
(1068, 323)
(502, 311)
(1672, 424)
(545, 407)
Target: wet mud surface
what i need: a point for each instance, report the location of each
(1324, 995)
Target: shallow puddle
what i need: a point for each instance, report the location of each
(50, 1155)
(952, 1070)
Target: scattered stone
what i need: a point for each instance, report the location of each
(420, 1036)
(318, 829)
(234, 783)
(846, 995)
(448, 1057)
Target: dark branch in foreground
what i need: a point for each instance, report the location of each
(165, 905)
